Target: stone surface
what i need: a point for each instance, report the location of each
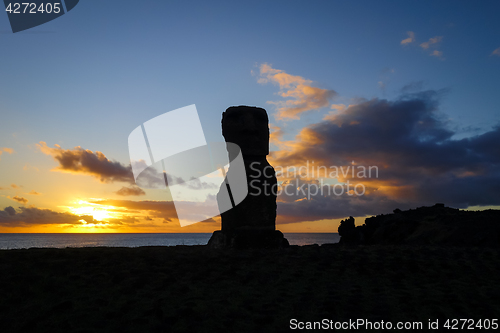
(436, 225)
(258, 209)
(252, 222)
(248, 127)
(248, 239)
(348, 232)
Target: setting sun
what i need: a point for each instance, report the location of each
(98, 212)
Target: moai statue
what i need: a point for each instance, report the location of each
(251, 223)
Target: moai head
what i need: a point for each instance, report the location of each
(248, 127)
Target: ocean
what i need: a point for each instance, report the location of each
(25, 241)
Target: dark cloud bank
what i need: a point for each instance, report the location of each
(96, 164)
(419, 162)
(84, 161)
(33, 216)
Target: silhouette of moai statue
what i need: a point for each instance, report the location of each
(251, 223)
(248, 127)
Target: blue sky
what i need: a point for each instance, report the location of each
(91, 76)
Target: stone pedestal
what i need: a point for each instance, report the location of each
(248, 239)
(251, 223)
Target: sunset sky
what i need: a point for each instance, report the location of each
(410, 88)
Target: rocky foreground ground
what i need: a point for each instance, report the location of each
(195, 289)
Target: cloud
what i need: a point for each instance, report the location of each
(132, 190)
(19, 199)
(27, 166)
(24, 216)
(431, 42)
(6, 150)
(338, 107)
(437, 53)
(156, 209)
(412, 87)
(10, 211)
(197, 184)
(28, 216)
(385, 78)
(15, 186)
(496, 52)
(33, 192)
(161, 209)
(302, 95)
(84, 161)
(410, 143)
(410, 39)
(276, 134)
(333, 207)
(96, 164)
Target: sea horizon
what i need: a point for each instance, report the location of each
(10, 241)
(109, 233)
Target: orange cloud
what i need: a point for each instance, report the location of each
(156, 209)
(19, 199)
(33, 192)
(302, 95)
(164, 210)
(27, 166)
(276, 135)
(338, 108)
(7, 150)
(496, 52)
(410, 39)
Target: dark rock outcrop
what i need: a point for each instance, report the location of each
(436, 225)
(252, 222)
